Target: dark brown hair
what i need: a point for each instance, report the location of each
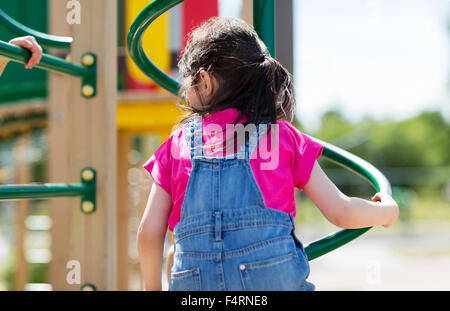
(250, 80)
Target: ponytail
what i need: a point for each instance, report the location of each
(249, 79)
(273, 96)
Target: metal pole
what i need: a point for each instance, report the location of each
(43, 38)
(48, 62)
(86, 190)
(38, 191)
(264, 22)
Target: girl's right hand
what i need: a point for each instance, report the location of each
(29, 43)
(387, 202)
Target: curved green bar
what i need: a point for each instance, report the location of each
(48, 62)
(137, 53)
(332, 153)
(43, 39)
(361, 168)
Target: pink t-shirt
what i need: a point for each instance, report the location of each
(170, 166)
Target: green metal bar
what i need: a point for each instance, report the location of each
(48, 62)
(86, 189)
(264, 23)
(43, 39)
(40, 191)
(361, 168)
(136, 50)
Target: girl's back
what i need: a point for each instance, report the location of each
(282, 162)
(229, 238)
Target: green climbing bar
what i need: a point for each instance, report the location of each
(136, 50)
(364, 170)
(40, 191)
(43, 39)
(86, 189)
(48, 62)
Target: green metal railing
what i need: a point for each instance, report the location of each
(87, 70)
(264, 22)
(43, 39)
(48, 62)
(134, 40)
(86, 189)
(364, 170)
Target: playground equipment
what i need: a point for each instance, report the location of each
(48, 62)
(82, 131)
(263, 19)
(73, 126)
(85, 189)
(90, 133)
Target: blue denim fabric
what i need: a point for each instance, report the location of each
(227, 239)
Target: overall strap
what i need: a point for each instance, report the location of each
(194, 137)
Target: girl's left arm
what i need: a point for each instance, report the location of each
(349, 212)
(151, 235)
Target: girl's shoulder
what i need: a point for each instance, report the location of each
(300, 143)
(304, 150)
(290, 132)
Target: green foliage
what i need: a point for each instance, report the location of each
(7, 271)
(421, 141)
(37, 272)
(417, 148)
(333, 125)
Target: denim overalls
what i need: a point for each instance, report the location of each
(227, 239)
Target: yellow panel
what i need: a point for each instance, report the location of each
(155, 40)
(151, 117)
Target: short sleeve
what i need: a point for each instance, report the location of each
(160, 166)
(306, 151)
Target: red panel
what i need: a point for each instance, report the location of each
(132, 84)
(195, 12)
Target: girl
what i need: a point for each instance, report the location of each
(232, 213)
(28, 43)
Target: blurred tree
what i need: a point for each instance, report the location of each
(422, 141)
(333, 126)
(416, 144)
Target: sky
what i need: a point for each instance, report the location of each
(381, 58)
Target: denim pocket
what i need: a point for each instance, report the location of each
(280, 273)
(188, 280)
